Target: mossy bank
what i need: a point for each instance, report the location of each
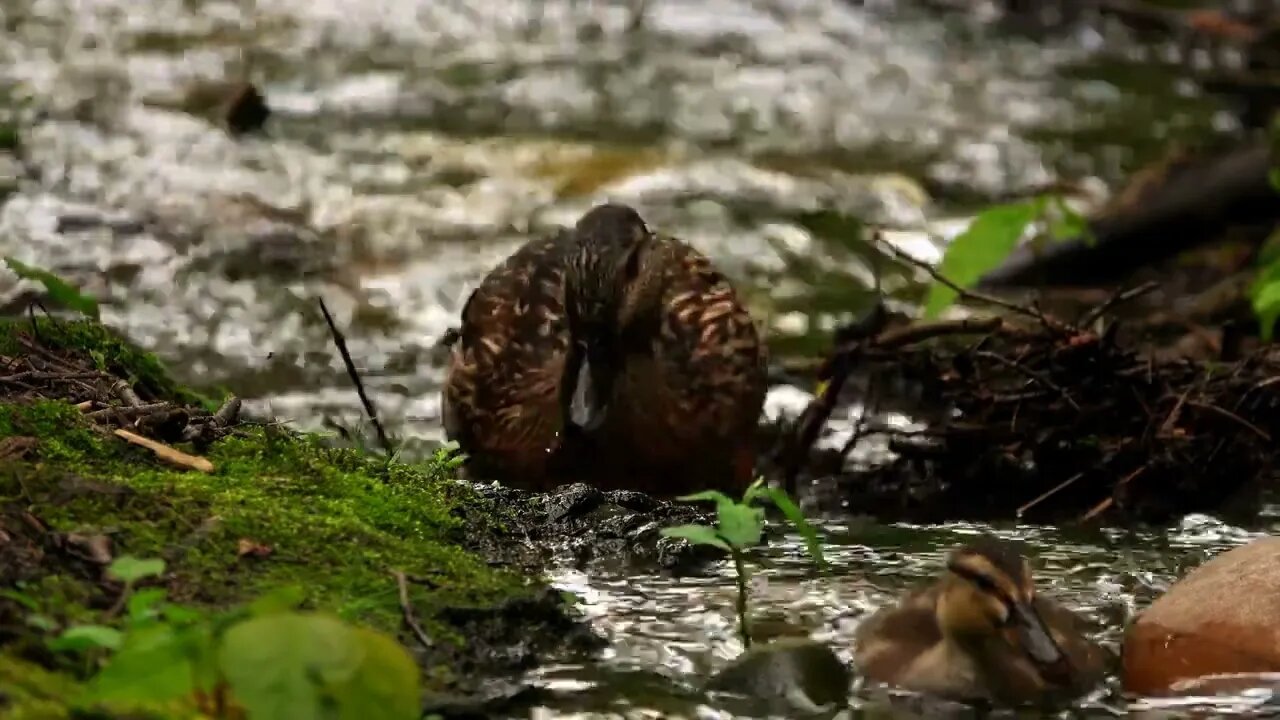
(280, 509)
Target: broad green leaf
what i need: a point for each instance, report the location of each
(40, 622)
(1266, 305)
(696, 534)
(152, 665)
(59, 290)
(84, 637)
(279, 600)
(143, 604)
(280, 666)
(130, 569)
(713, 495)
(21, 598)
(182, 615)
(989, 239)
(741, 525)
(1070, 223)
(385, 685)
(1275, 178)
(802, 525)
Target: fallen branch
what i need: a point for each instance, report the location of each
(166, 453)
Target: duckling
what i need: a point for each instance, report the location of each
(608, 354)
(981, 633)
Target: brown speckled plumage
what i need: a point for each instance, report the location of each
(686, 379)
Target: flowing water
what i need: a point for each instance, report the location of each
(416, 142)
(670, 632)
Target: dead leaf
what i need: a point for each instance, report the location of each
(96, 547)
(252, 548)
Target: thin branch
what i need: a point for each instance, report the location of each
(406, 609)
(1038, 377)
(341, 343)
(1118, 298)
(968, 294)
(1231, 416)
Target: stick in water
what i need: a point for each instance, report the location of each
(341, 342)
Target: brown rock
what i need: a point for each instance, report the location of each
(1223, 617)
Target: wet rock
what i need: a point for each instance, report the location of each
(236, 106)
(1223, 617)
(591, 529)
(802, 673)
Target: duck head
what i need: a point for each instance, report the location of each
(611, 287)
(988, 594)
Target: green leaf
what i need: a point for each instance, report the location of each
(755, 491)
(278, 665)
(1275, 178)
(385, 686)
(59, 290)
(741, 525)
(21, 598)
(182, 615)
(281, 599)
(295, 666)
(989, 239)
(1266, 306)
(85, 637)
(152, 665)
(1069, 224)
(713, 495)
(130, 569)
(696, 534)
(40, 622)
(142, 605)
(802, 525)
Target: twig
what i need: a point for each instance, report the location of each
(127, 412)
(900, 337)
(1038, 377)
(1116, 299)
(164, 452)
(968, 294)
(341, 343)
(406, 609)
(1231, 416)
(1048, 493)
(36, 375)
(1097, 510)
(870, 406)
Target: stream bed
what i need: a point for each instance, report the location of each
(414, 143)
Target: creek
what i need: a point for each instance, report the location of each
(414, 143)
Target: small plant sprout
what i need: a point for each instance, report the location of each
(740, 527)
(265, 660)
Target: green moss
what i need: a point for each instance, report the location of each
(33, 693)
(280, 509)
(107, 350)
(336, 522)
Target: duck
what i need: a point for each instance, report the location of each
(610, 354)
(981, 633)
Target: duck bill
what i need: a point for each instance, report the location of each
(589, 383)
(1034, 636)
